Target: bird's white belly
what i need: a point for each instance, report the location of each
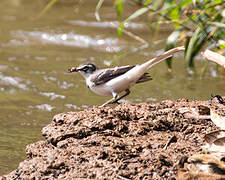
(102, 90)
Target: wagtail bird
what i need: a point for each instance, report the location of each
(113, 81)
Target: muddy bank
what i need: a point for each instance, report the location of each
(129, 141)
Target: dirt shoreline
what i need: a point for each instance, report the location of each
(129, 141)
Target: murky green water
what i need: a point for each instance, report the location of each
(36, 53)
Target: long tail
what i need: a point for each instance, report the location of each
(135, 73)
(162, 57)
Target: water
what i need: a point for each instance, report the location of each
(35, 54)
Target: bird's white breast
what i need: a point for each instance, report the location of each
(101, 89)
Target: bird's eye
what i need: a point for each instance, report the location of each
(89, 68)
(92, 68)
(85, 69)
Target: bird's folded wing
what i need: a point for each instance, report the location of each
(107, 74)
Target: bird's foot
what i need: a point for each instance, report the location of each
(103, 105)
(109, 102)
(116, 101)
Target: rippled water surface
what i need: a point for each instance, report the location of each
(35, 54)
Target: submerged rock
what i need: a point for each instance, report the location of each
(130, 141)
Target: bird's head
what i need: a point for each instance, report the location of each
(84, 69)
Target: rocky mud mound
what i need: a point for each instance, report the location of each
(130, 141)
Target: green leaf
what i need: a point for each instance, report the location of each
(185, 3)
(147, 2)
(222, 45)
(196, 42)
(137, 13)
(214, 3)
(174, 14)
(186, 45)
(167, 7)
(47, 7)
(191, 46)
(120, 29)
(171, 43)
(119, 7)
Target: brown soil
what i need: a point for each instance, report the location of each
(130, 141)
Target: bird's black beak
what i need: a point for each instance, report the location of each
(73, 69)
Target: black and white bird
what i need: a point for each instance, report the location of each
(113, 81)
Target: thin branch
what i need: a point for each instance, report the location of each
(99, 5)
(130, 34)
(214, 57)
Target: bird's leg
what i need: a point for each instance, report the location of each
(108, 102)
(115, 96)
(126, 94)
